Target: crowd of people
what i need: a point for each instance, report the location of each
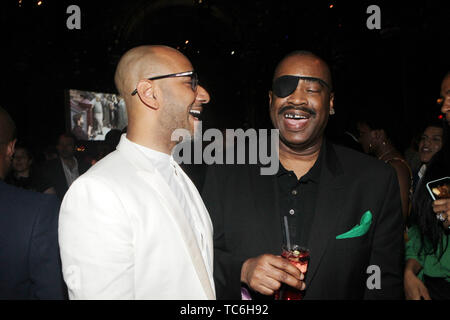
(129, 223)
(59, 165)
(93, 114)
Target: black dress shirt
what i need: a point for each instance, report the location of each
(297, 200)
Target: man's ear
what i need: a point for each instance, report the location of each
(147, 94)
(332, 102)
(10, 148)
(270, 98)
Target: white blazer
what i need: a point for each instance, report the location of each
(122, 234)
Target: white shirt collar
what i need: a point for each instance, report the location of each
(70, 174)
(163, 162)
(422, 170)
(75, 168)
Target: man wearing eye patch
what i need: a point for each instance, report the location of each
(340, 204)
(299, 105)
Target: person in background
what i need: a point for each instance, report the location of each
(50, 153)
(57, 175)
(106, 111)
(122, 117)
(411, 152)
(22, 174)
(30, 266)
(350, 140)
(97, 109)
(375, 138)
(112, 139)
(427, 270)
(78, 130)
(442, 206)
(344, 132)
(103, 148)
(445, 97)
(430, 143)
(112, 102)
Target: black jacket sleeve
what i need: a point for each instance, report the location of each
(44, 259)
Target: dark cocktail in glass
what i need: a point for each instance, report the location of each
(298, 257)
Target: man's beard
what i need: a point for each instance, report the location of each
(173, 120)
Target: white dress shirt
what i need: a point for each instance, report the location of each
(169, 170)
(71, 174)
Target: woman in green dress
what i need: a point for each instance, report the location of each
(427, 270)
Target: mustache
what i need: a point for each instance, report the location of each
(301, 108)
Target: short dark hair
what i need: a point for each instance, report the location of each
(375, 118)
(437, 124)
(24, 146)
(433, 123)
(113, 136)
(67, 135)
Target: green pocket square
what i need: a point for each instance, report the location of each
(360, 229)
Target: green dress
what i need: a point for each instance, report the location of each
(432, 267)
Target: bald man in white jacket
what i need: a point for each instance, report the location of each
(134, 226)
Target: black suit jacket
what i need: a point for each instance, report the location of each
(30, 265)
(52, 175)
(246, 222)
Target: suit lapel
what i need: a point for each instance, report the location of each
(267, 210)
(201, 209)
(159, 185)
(171, 204)
(327, 212)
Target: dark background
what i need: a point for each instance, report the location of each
(395, 71)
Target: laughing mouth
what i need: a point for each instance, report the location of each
(195, 113)
(295, 116)
(297, 113)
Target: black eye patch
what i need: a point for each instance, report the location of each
(285, 85)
